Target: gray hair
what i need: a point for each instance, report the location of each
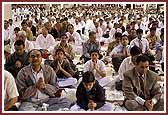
(22, 33)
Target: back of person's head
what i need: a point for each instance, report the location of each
(142, 58)
(19, 43)
(88, 77)
(139, 31)
(135, 50)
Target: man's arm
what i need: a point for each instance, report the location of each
(10, 103)
(81, 97)
(25, 86)
(128, 87)
(100, 97)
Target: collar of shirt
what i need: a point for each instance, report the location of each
(142, 76)
(37, 75)
(61, 62)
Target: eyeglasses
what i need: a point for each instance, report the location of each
(37, 55)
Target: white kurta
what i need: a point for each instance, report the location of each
(47, 43)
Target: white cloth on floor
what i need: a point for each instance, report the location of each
(63, 82)
(105, 107)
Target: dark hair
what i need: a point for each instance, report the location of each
(78, 32)
(152, 28)
(70, 25)
(139, 31)
(88, 77)
(124, 36)
(135, 50)
(59, 50)
(17, 59)
(162, 30)
(16, 29)
(23, 22)
(63, 34)
(94, 51)
(142, 58)
(118, 35)
(128, 26)
(65, 19)
(91, 33)
(19, 43)
(10, 20)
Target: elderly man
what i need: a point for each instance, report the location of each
(37, 84)
(28, 44)
(45, 41)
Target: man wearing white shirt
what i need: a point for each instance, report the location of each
(45, 41)
(7, 33)
(140, 42)
(97, 67)
(11, 26)
(74, 38)
(10, 92)
(77, 25)
(120, 52)
(127, 64)
(98, 30)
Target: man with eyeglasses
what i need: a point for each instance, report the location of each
(37, 84)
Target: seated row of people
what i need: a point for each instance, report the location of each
(37, 84)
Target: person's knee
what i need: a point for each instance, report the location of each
(132, 105)
(159, 105)
(75, 108)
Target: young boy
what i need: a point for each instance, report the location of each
(120, 52)
(97, 67)
(63, 69)
(90, 95)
